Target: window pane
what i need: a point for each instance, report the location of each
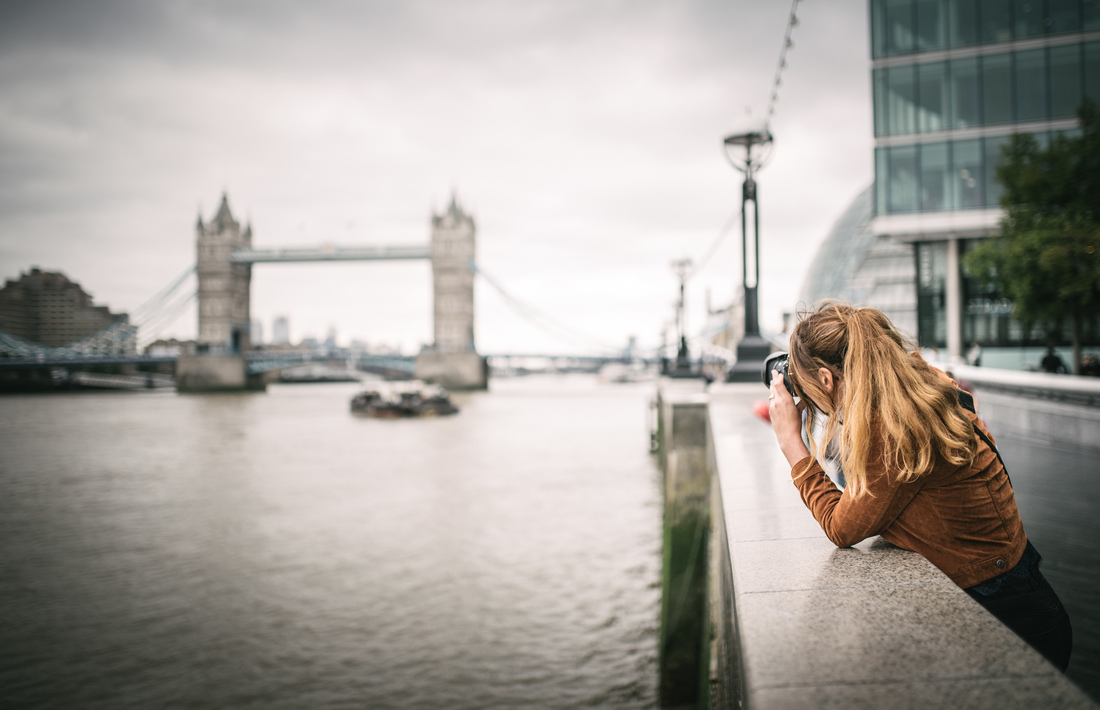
(1090, 14)
(934, 176)
(932, 97)
(963, 20)
(931, 33)
(1028, 16)
(878, 29)
(996, 20)
(899, 26)
(1064, 16)
(881, 180)
(996, 89)
(931, 294)
(1065, 80)
(902, 188)
(993, 157)
(966, 157)
(901, 100)
(1092, 70)
(1031, 85)
(964, 105)
(879, 89)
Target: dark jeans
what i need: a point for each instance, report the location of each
(1030, 607)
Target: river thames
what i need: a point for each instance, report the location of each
(275, 551)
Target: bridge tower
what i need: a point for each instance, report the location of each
(224, 314)
(453, 361)
(223, 303)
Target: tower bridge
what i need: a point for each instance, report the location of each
(224, 259)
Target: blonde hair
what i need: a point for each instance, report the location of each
(891, 395)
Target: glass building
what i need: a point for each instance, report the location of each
(952, 81)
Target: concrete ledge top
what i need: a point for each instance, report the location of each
(872, 626)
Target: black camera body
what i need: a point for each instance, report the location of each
(779, 362)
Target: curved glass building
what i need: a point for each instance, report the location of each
(856, 265)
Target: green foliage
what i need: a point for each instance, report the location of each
(1047, 257)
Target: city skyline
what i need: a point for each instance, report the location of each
(585, 140)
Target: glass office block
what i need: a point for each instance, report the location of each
(902, 179)
(935, 189)
(1031, 85)
(932, 97)
(964, 106)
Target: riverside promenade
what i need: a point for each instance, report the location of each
(795, 622)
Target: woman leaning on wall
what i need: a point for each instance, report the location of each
(921, 469)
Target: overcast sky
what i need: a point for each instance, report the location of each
(584, 137)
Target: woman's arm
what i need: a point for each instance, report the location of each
(845, 520)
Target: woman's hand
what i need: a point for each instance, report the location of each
(786, 419)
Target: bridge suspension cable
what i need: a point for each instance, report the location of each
(541, 320)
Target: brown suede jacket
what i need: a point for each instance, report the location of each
(962, 520)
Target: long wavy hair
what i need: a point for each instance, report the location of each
(891, 395)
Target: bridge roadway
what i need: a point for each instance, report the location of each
(800, 623)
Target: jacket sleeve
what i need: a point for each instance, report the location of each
(847, 520)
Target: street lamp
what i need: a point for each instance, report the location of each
(682, 269)
(752, 349)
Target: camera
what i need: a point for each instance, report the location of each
(780, 363)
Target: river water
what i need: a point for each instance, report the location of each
(275, 551)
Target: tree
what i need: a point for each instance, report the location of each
(1046, 260)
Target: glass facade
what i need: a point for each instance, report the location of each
(900, 27)
(1045, 83)
(952, 80)
(941, 176)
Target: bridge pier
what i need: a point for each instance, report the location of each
(215, 373)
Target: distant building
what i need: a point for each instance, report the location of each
(280, 331)
(47, 308)
(256, 332)
(170, 347)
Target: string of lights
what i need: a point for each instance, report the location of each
(788, 44)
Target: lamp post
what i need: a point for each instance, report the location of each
(682, 269)
(753, 349)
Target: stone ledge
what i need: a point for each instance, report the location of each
(867, 627)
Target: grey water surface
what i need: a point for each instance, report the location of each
(275, 551)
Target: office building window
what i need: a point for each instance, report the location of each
(1064, 15)
(931, 294)
(993, 188)
(882, 169)
(902, 179)
(900, 37)
(1031, 85)
(996, 89)
(1090, 15)
(932, 97)
(931, 25)
(996, 20)
(963, 21)
(1092, 70)
(1028, 18)
(878, 79)
(967, 183)
(1065, 80)
(901, 100)
(964, 106)
(934, 178)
